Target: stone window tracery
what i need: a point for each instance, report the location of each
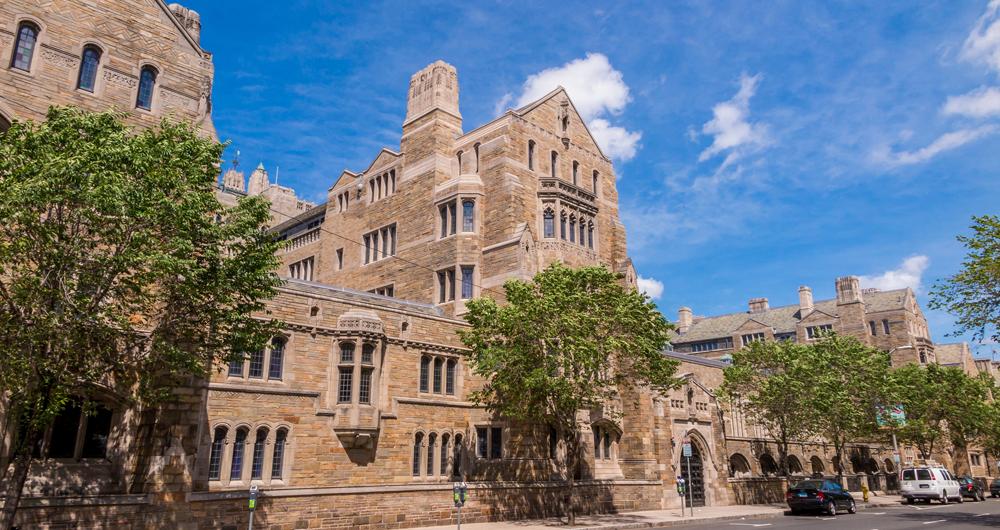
(215, 454)
(259, 445)
(438, 374)
(272, 356)
(549, 223)
(239, 448)
(380, 243)
(278, 455)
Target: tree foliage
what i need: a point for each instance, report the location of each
(120, 272)
(770, 382)
(852, 382)
(571, 340)
(973, 294)
(918, 390)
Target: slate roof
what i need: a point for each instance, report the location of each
(695, 359)
(363, 297)
(783, 319)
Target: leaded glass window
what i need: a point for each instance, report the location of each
(88, 68)
(215, 456)
(259, 444)
(24, 48)
(147, 81)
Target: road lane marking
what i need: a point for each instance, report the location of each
(982, 514)
(750, 524)
(938, 521)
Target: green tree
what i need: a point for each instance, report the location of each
(768, 381)
(852, 382)
(120, 271)
(973, 295)
(571, 340)
(963, 400)
(918, 390)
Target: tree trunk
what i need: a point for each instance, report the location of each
(783, 456)
(572, 463)
(15, 483)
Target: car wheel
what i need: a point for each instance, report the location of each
(944, 497)
(909, 500)
(831, 508)
(852, 507)
(961, 499)
(793, 511)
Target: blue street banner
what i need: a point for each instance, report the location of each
(892, 414)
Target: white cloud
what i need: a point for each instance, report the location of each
(908, 274)
(983, 43)
(730, 127)
(980, 103)
(945, 142)
(502, 103)
(598, 91)
(651, 286)
(616, 142)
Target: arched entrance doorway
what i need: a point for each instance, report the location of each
(696, 478)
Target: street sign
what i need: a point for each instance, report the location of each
(686, 450)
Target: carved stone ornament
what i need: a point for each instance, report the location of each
(120, 79)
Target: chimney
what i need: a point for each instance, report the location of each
(189, 19)
(758, 305)
(684, 319)
(805, 300)
(848, 290)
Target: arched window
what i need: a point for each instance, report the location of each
(259, 444)
(87, 79)
(277, 459)
(456, 458)
(596, 177)
(562, 226)
(468, 216)
(368, 353)
(459, 156)
(347, 352)
(476, 148)
(239, 448)
(431, 454)
(444, 455)
(437, 375)
(572, 229)
(418, 440)
(24, 47)
(531, 155)
(583, 231)
(554, 163)
(549, 224)
(817, 466)
(449, 377)
(274, 368)
(215, 457)
(794, 466)
(739, 466)
(147, 81)
(767, 466)
(576, 171)
(425, 368)
(256, 364)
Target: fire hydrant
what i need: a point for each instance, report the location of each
(864, 491)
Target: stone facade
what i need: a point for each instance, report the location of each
(452, 215)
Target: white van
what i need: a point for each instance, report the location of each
(929, 482)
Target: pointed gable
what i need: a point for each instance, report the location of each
(385, 157)
(555, 112)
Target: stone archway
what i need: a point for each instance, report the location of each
(739, 466)
(707, 484)
(693, 471)
(768, 467)
(816, 463)
(794, 466)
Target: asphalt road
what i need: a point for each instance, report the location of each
(924, 516)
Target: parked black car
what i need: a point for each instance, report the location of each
(819, 494)
(971, 489)
(995, 488)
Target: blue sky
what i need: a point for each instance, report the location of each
(758, 147)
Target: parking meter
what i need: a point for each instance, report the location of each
(252, 504)
(681, 486)
(459, 492)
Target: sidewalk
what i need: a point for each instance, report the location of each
(656, 518)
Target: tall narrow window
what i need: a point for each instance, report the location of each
(438, 362)
(95, 436)
(572, 229)
(277, 459)
(456, 458)
(215, 456)
(885, 326)
(549, 223)
(418, 441)
(147, 81)
(871, 327)
(442, 288)
(239, 447)
(482, 442)
(583, 231)
(576, 172)
(368, 249)
(467, 274)
(425, 369)
(607, 445)
(562, 226)
(443, 211)
(459, 162)
(597, 443)
(257, 364)
(259, 444)
(87, 79)
(392, 239)
(451, 283)
(344, 389)
(596, 177)
(496, 442)
(554, 163)
(531, 155)
(347, 352)
(453, 213)
(431, 453)
(277, 358)
(365, 386)
(468, 216)
(444, 454)
(449, 379)
(24, 48)
(476, 147)
(590, 235)
(367, 353)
